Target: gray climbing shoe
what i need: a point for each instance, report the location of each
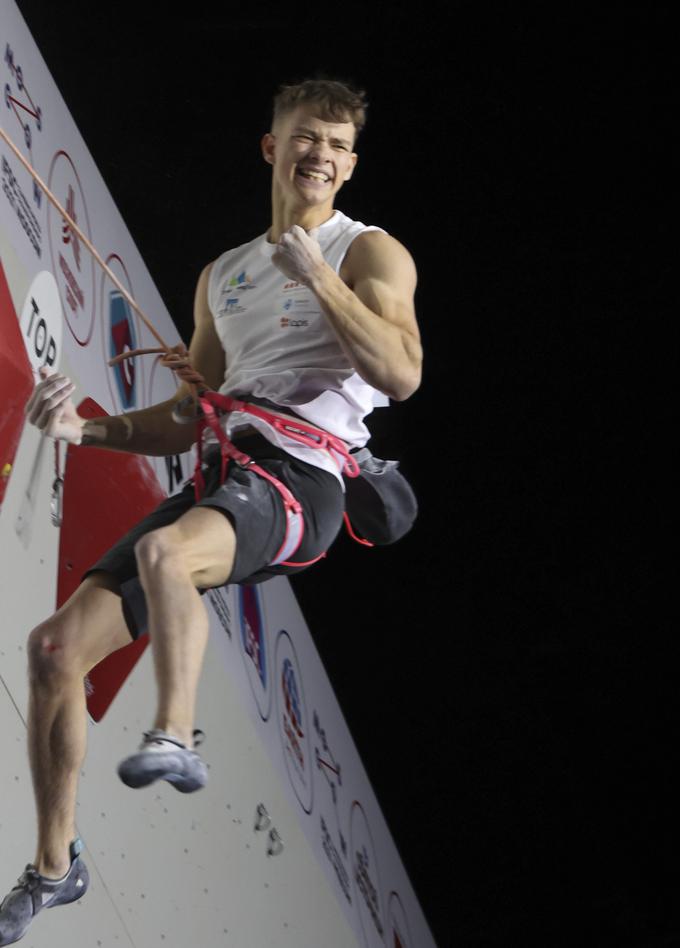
(34, 892)
(162, 757)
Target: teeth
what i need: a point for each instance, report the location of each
(313, 174)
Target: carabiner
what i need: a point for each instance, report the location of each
(57, 501)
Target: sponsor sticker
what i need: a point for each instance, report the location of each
(72, 263)
(365, 878)
(20, 102)
(16, 196)
(333, 840)
(255, 646)
(120, 334)
(25, 115)
(292, 721)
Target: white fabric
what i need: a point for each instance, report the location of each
(294, 529)
(279, 345)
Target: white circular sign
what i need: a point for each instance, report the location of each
(41, 322)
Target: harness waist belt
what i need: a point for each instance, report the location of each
(211, 403)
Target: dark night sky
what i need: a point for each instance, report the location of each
(510, 711)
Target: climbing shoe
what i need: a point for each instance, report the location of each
(162, 757)
(34, 892)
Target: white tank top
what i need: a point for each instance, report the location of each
(280, 346)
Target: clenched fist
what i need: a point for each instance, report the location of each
(51, 410)
(298, 254)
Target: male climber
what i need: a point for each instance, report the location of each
(308, 322)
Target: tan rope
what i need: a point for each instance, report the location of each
(69, 220)
(174, 357)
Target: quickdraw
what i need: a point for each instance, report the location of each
(57, 498)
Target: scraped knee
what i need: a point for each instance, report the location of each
(53, 652)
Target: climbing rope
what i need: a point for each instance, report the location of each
(173, 357)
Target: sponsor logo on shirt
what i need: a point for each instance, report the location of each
(239, 283)
(292, 285)
(287, 323)
(304, 310)
(230, 307)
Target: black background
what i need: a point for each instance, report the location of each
(511, 707)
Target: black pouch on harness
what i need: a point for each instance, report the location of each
(380, 503)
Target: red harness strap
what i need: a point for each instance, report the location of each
(299, 431)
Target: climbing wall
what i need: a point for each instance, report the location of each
(287, 844)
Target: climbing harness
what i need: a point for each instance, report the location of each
(211, 403)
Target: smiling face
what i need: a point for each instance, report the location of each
(311, 159)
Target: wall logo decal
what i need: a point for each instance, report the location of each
(72, 264)
(120, 333)
(292, 720)
(255, 646)
(365, 877)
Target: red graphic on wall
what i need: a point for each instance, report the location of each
(16, 383)
(105, 494)
(29, 110)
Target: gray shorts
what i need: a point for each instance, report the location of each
(256, 512)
